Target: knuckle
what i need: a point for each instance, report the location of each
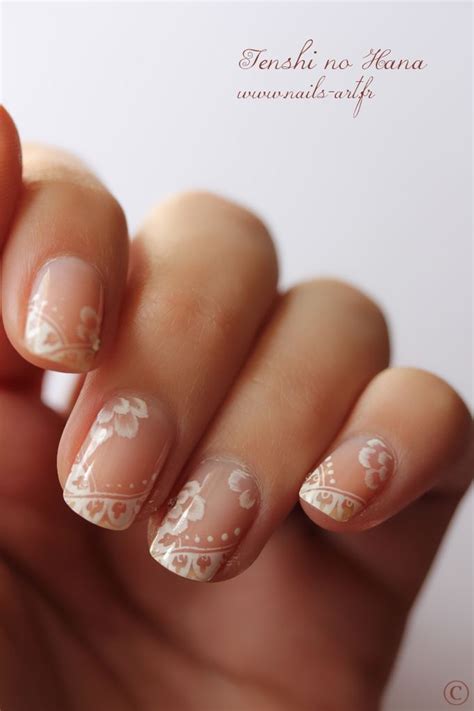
(44, 161)
(340, 308)
(210, 222)
(48, 166)
(54, 174)
(203, 203)
(341, 296)
(88, 212)
(106, 228)
(344, 293)
(190, 316)
(440, 397)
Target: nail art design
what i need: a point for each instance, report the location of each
(346, 481)
(118, 463)
(207, 520)
(65, 314)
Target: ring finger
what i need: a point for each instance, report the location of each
(324, 343)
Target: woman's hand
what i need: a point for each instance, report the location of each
(210, 398)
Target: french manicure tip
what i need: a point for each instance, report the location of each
(64, 315)
(349, 478)
(122, 455)
(201, 532)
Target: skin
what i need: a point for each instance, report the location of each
(313, 617)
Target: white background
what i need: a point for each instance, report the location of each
(146, 94)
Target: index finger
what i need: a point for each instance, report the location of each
(11, 365)
(64, 264)
(10, 170)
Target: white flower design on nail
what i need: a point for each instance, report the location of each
(339, 489)
(89, 327)
(321, 490)
(46, 336)
(65, 311)
(377, 462)
(121, 415)
(189, 506)
(206, 522)
(84, 492)
(243, 483)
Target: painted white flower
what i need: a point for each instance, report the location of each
(189, 506)
(243, 484)
(89, 328)
(122, 414)
(376, 460)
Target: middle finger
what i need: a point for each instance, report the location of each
(203, 276)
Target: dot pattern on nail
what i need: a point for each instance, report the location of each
(199, 513)
(99, 502)
(340, 491)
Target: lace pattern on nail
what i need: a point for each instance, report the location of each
(46, 336)
(186, 543)
(112, 509)
(321, 488)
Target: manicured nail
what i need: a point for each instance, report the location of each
(119, 461)
(65, 313)
(349, 478)
(207, 521)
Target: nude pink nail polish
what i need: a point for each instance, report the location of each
(118, 464)
(207, 521)
(65, 314)
(349, 478)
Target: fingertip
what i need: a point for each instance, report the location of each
(8, 129)
(348, 480)
(368, 478)
(10, 169)
(64, 266)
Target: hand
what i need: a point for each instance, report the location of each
(208, 386)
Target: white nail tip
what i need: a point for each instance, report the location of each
(191, 541)
(45, 337)
(93, 499)
(341, 489)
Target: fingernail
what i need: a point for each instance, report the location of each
(349, 478)
(119, 461)
(65, 314)
(207, 521)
